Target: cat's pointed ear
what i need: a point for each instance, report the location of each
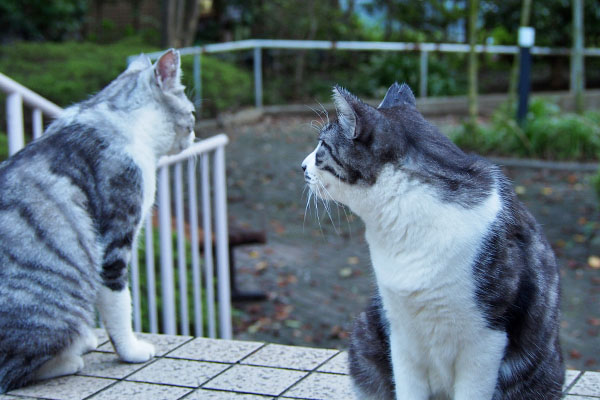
(167, 71)
(344, 103)
(139, 63)
(398, 95)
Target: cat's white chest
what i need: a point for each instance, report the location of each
(424, 274)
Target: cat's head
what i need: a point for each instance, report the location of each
(151, 101)
(178, 109)
(368, 153)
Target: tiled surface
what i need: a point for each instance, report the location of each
(207, 369)
(276, 355)
(204, 349)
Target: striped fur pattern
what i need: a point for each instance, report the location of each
(71, 206)
(467, 303)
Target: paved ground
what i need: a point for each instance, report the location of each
(208, 369)
(316, 269)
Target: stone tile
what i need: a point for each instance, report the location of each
(162, 343)
(256, 380)
(203, 394)
(71, 387)
(107, 365)
(570, 377)
(277, 355)
(178, 372)
(575, 397)
(6, 397)
(102, 336)
(141, 391)
(587, 385)
(204, 349)
(337, 365)
(323, 387)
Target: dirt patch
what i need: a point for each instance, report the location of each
(315, 267)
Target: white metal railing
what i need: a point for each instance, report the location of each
(18, 94)
(202, 155)
(424, 48)
(204, 163)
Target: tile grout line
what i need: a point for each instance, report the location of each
(119, 380)
(310, 372)
(568, 389)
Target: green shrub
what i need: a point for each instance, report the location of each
(69, 72)
(547, 134)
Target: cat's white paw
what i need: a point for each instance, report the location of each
(138, 351)
(65, 364)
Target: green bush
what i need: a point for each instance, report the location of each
(69, 72)
(547, 134)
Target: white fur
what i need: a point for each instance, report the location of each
(69, 361)
(422, 250)
(115, 310)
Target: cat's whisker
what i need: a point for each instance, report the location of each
(319, 114)
(325, 112)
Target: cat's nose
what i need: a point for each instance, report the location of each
(304, 167)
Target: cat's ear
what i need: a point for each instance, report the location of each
(398, 95)
(139, 63)
(346, 105)
(167, 71)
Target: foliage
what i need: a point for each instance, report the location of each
(42, 20)
(69, 72)
(551, 19)
(546, 134)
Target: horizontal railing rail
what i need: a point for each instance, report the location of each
(424, 48)
(204, 161)
(18, 94)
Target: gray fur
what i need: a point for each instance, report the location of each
(516, 272)
(70, 209)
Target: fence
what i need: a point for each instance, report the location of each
(256, 45)
(211, 303)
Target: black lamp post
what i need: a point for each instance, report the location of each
(526, 40)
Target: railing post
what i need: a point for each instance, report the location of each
(14, 121)
(37, 121)
(258, 92)
(423, 73)
(198, 84)
(222, 244)
(166, 252)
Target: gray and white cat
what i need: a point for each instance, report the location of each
(468, 288)
(71, 205)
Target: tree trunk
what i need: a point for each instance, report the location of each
(473, 106)
(180, 19)
(514, 72)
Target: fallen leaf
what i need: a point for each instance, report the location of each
(253, 254)
(353, 260)
(520, 190)
(547, 190)
(345, 272)
(575, 354)
(594, 321)
(292, 323)
(261, 266)
(579, 238)
(594, 262)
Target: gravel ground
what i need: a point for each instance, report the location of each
(316, 269)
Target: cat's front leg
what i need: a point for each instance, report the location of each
(477, 366)
(410, 380)
(115, 310)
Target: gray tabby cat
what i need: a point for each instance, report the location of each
(71, 205)
(468, 288)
